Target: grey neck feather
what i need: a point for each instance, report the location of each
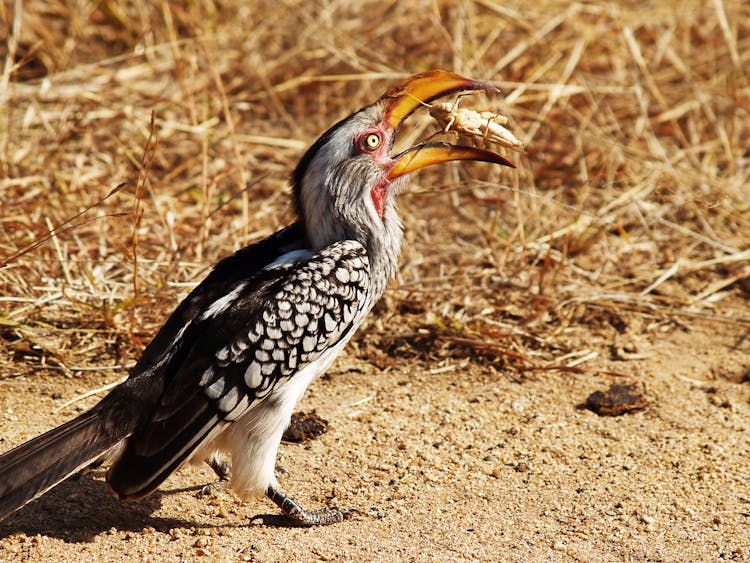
(333, 197)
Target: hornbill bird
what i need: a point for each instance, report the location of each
(227, 367)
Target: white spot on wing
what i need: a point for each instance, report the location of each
(239, 409)
(222, 354)
(222, 303)
(292, 359)
(206, 376)
(229, 401)
(238, 346)
(330, 322)
(215, 390)
(252, 375)
(269, 317)
(308, 343)
(342, 274)
(274, 333)
(290, 258)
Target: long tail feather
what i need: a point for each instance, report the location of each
(36, 466)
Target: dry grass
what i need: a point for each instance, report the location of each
(630, 209)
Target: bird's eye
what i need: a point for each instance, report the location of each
(372, 141)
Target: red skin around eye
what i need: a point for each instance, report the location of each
(380, 155)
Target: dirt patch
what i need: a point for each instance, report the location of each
(451, 461)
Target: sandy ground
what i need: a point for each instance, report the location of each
(455, 461)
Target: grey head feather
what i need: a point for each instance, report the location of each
(332, 190)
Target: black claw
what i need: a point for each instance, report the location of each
(223, 470)
(212, 490)
(221, 466)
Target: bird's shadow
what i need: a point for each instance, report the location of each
(81, 508)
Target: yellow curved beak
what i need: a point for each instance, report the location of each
(423, 155)
(403, 98)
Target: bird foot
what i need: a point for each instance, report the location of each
(281, 470)
(223, 470)
(301, 517)
(213, 490)
(221, 466)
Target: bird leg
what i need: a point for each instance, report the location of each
(221, 466)
(223, 470)
(302, 517)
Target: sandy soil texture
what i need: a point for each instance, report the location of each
(448, 462)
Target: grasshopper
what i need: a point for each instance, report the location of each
(485, 124)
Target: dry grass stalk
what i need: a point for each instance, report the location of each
(635, 169)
